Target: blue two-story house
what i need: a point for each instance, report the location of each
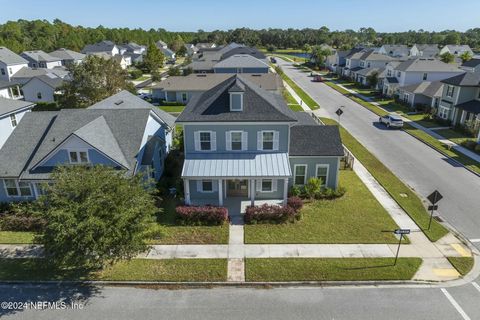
(122, 131)
(243, 142)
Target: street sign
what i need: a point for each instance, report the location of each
(435, 197)
(339, 112)
(402, 231)
(434, 207)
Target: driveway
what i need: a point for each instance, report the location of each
(418, 165)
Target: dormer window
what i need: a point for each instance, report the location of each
(236, 101)
(78, 157)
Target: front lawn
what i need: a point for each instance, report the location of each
(357, 217)
(132, 270)
(16, 237)
(330, 269)
(173, 109)
(455, 136)
(173, 233)
(462, 264)
(399, 191)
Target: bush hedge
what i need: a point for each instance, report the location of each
(324, 193)
(267, 213)
(20, 217)
(202, 215)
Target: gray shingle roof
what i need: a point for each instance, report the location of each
(39, 56)
(241, 61)
(468, 79)
(258, 105)
(427, 88)
(102, 46)
(472, 63)
(10, 105)
(368, 71)
(50, 79)
(472, 106)
(65, 54)
(126, 100)
(315, 140)
(9, 57)
(24, 74)
(426, 65)
(7, 84)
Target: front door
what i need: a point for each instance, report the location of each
(237, 188)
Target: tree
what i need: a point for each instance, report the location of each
(372, 79)
(182, 52)
(153, 61)
(176, 44)
(271, 48)
(306, 49)
(174, 71)
(94, 216)
(319, 54)
(447, 57)
(92, 81)
(466, 56)
(452, 38)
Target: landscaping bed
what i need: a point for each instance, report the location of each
(400, 192)
(356, 217)
(462, 264)
(330, 269)
(132, 270)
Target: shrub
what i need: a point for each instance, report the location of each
(469, 144)
(295, 202)
(329, 193)
(269, 214)
(21, 217)
(295, 191)
(202, 215)
(313, 187)
(135, 74)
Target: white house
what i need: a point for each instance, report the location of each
(10, 90)
(105, 46)
(11, 112)
(424, 50)
(42, 88)
(68, 56)
(10, 63)
(456, 50)
(415, 71)
(394, 50)
(41, 59)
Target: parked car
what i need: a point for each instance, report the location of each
(144, 95)
(391, 120)
(273, 60)
(317, 78)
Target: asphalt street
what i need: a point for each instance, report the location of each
(418, 165)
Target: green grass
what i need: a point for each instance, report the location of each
(132, 270)
(290, 101)
(174, 109)
(357, 217)
(462, 264)
(143, 78)
(302, 94)
(330, 269)
(296, 107)
(402, 194)
(455, 136)
(16, 237)
(172, 233)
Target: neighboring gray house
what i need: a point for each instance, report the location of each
(242, 142)
(67, 56)
(241, 63)
(362, 76)
(122, 131)
(105, 46)
(161, 44)
(41, 59)
(424, 50)
(472, 65)
(44, 88)
(414, 71)
(169, 54)
(182, 89)
(456, 50)
(10, 63)
(10, 90)
(460, 101)
(425, 93)
(394, 50)
(191, 49)
(11, 113)
(25, 74)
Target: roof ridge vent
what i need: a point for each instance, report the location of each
(119, 102)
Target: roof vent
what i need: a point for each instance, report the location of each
(203, 75)
(119, 102)
(256, 75)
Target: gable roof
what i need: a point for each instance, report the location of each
(368, 71)
(243, 50)
(427, 88)
(126, 100)
(241, 61)
(396, 49)
(327, 141)
(372, 55)
(8, 106)
(50, 79)
(27, 72)
(66, 54)
(7, 84)
(39, 56)
(102, 46)
(258, 105)
(426, 65)
(467, 79)
(472, 63)
(9, 57)
(458, 47)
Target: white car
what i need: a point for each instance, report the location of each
(391, 120)
(144, 95)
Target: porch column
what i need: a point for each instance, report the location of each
(186, 187)
(285, 191)
(252, 192)
(463, 117)
(220, 192)
(478, 138)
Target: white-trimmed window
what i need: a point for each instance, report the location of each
(443, 112)
(2, 71)
(16, 188)
(78, 157)
(450, 91)
(206, 186)
(321, 172)
(267, 185)
(406, 96)
(425, 76)
(300, 174)
(236, 140)
(184, 96)
(39, 95)
(268, 140)
(13, 120)
(205, 141)
(236, 101)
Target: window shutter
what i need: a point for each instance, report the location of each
(196, 136)
(244, 140)
(213, 137)
(199, 186)
(274, 185)
(259, 140)
(228, 139)
(275, 140)
(259, 185)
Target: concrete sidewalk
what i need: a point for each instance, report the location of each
(296, 97)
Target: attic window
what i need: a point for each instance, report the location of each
(119, 102)
(236, 101)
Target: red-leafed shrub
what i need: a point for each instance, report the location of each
(273, 213)
(206, 215)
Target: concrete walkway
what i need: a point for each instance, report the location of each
(296, 97)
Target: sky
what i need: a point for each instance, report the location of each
(192, 15)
